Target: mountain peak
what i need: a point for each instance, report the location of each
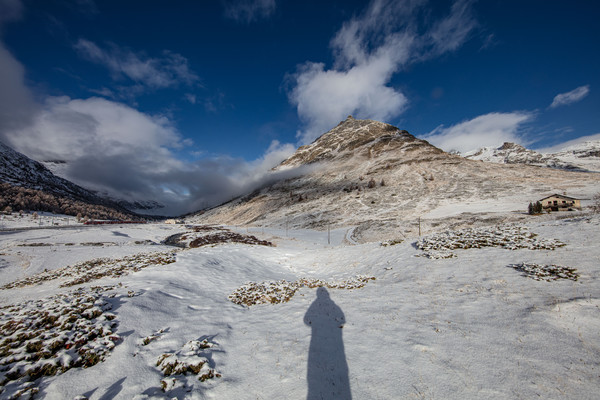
(353, 137)
(512, 146)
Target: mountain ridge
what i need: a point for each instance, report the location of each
(583, 157)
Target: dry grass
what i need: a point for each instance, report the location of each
(209, 235)
(508, 237)
(275, 292)
(546, 273)
(50, 336)
(95, 269)
(192, 359)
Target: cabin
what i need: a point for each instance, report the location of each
(560, 202)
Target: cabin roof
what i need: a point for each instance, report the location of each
(562, 196)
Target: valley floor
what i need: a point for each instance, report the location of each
(469, 327)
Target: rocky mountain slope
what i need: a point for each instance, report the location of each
(19, 171)
(583, 157)
(381, 180)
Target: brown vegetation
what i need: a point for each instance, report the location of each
(16, 198)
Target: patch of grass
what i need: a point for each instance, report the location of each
(546, 273)
(52, 335)
(275, 292)
(508, 237)
(97, 268)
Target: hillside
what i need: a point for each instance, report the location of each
(28, 185)
(381, 180)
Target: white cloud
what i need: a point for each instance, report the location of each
(573, 96)
(368, 51)
(325, 97)
(169, 70)
(16, 101)
(248, 11)
(69, 129)
(491, 129)
(17, 104)
(191, 98)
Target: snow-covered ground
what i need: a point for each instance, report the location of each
(36, 220)
(472, 326)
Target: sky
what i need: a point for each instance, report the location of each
(192, 103)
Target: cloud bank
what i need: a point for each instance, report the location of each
(573, 96)
(368, 50)
(491, 129)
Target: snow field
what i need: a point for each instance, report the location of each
(465, 327)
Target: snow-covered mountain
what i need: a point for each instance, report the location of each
(19, 170)
(584, 156)
(381, 179)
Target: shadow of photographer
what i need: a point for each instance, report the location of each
(327, 372)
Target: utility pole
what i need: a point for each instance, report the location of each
(328, 234)
(419, 226)
(286, 226)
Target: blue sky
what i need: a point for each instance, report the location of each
(190, 103)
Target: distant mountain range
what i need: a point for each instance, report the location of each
(582, 157)
(381, 179)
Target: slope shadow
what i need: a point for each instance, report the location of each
(113, 390)
(327, 372)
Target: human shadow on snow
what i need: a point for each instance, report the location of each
(327, 372)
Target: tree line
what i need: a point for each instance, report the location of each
(16, 198)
